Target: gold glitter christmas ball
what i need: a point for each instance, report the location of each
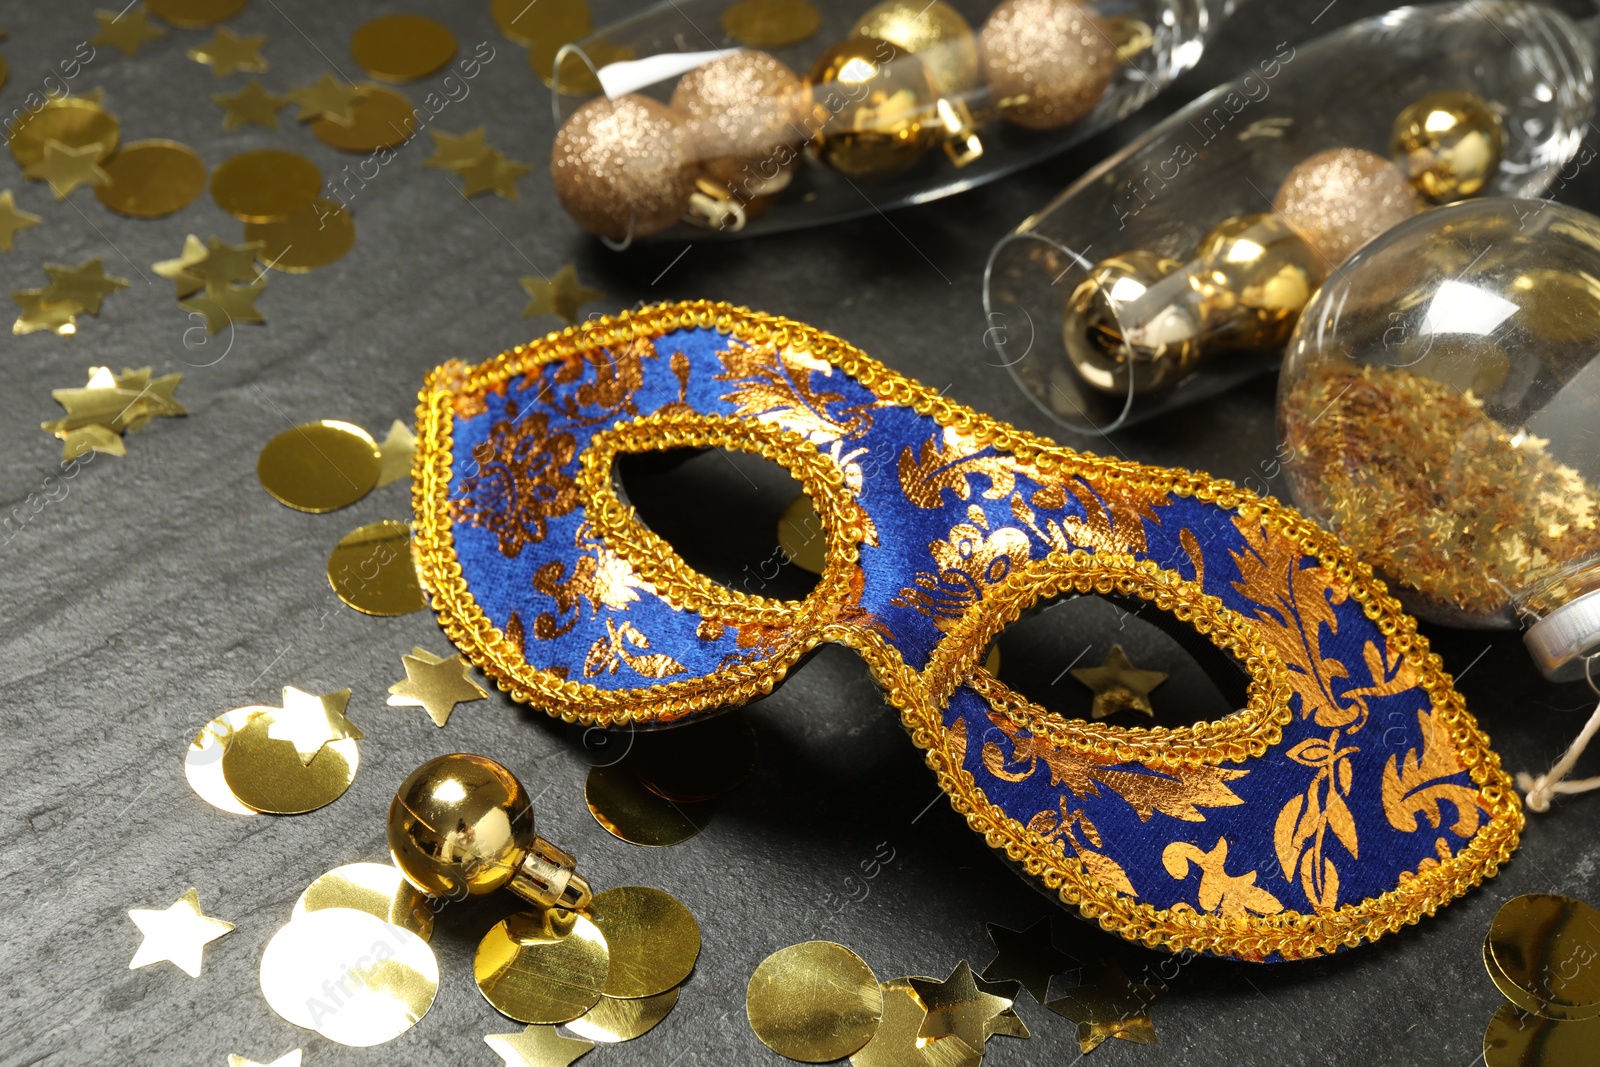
(1137, 315)
(1340, 199)
(621, 161)
(744, 112)
(933, 32)
(1450, 144)
(1256, 276)
(872, 106)
(1047, 62)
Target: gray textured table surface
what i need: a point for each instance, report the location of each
(158, 589)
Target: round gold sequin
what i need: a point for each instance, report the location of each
(265, 184)
(402, 48)
(372, 570)
(654, 940)
(814, 1002)
(195, 14)
(696, 762)
(542, 966)
(267, 774)
(801, 536)
(1517, 1039)
(150, 179)
(1340, 199)
(527, 23)
(629, 811)
(72, 120)
(614, 1019)
(1047, 62)
(320, 466)
(202, 763)
(771, 23)
(379, 889)
(1543, 952)
(350, 976)
(380, 118)
(316, 235)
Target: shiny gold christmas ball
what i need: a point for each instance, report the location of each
(1135, 320)
(1450, 144)
(933, 32)
(745, 112)
(1047, 62)
(872, 106)
(623, 166)
(1256, 276)
(1340, 199)
(460, 825)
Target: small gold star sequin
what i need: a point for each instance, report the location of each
(561, 295)
(150, 179)
(402, 48)
(371, 570)
(223, 306)
(616, 1019)
(13, 220)
(699, 761)
(491, 172)
(537, 1046)
(127, 31)
(814, 1002)
(308, 721)
(542, 967)
(395, 454)
(177, 934)
(379, 118)
(288, 1059)
(195, 14)
(771, 23)
(267, 774)
(110, 405)
(179, 270)
(227, 53)
(957, 1007)
(327, 98)
(627, 810)
(58, 316)
(265, 185)
(222, 263)
(68, 168)
(1111, 1006)
(451, 152)
(319, 466)
(87, 284)
(74, 121)
(250, 106)
(1119, 686)
(653, 939)
(896, 1044)
(1028, 957)
(378, 889)
(316, 235)
(435, 684)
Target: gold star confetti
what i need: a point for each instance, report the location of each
(227, 53)
(288, 1059)
(492, 172)
(537, 1046)
(957, 1007)
(178, 933)
(13, 220)
(309, 721)
(1111, 1006)
(224, 264)
(435, 684)
(562, 295)
(326, 98)
(110, 405)
(178, 270)
(128, 31)
(451, 152)
(41, 314)
(1119, 686)
(250, 106)
(1029, 957)
(67, 168)
(226, 305)
(88, 284)
(395, 454)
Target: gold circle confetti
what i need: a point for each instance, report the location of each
(1518, 1039)
(350, 976)
(696, 762)
(267, 774)
(265, 184)
(542, 966)
(1529, 952)
(320, 466)
(527, 24)
(380, 118)
(195, 14)
(615, 1019)
(202, 763)
(372, 570)
(654, 940)
(402, 48)
(150, 179)
(801, 536)
(771, 23)
(814, 1002)
(73, 120)
(629, 811)
(316, 235)
(897, 1040)
(379, 889)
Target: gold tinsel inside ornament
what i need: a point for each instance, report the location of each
(744, 112)
(1047, 62)
(622, 167)
(873, 108)
(1340, 199)
(933, 32)
(1450, 144)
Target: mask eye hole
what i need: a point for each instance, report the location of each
(719, 509)
(1040, 651)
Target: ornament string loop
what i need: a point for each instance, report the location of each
(1539, 791)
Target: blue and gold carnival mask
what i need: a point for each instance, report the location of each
(1351, 795)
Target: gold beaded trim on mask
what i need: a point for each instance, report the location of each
(1289, 935)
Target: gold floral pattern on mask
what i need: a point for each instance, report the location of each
(518, 483)
(618, 374)
(775, 385)
(1233, 896)
(946, 462)
(1416, 788)
(1301, 834)
(971, 560)
(621, 647)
